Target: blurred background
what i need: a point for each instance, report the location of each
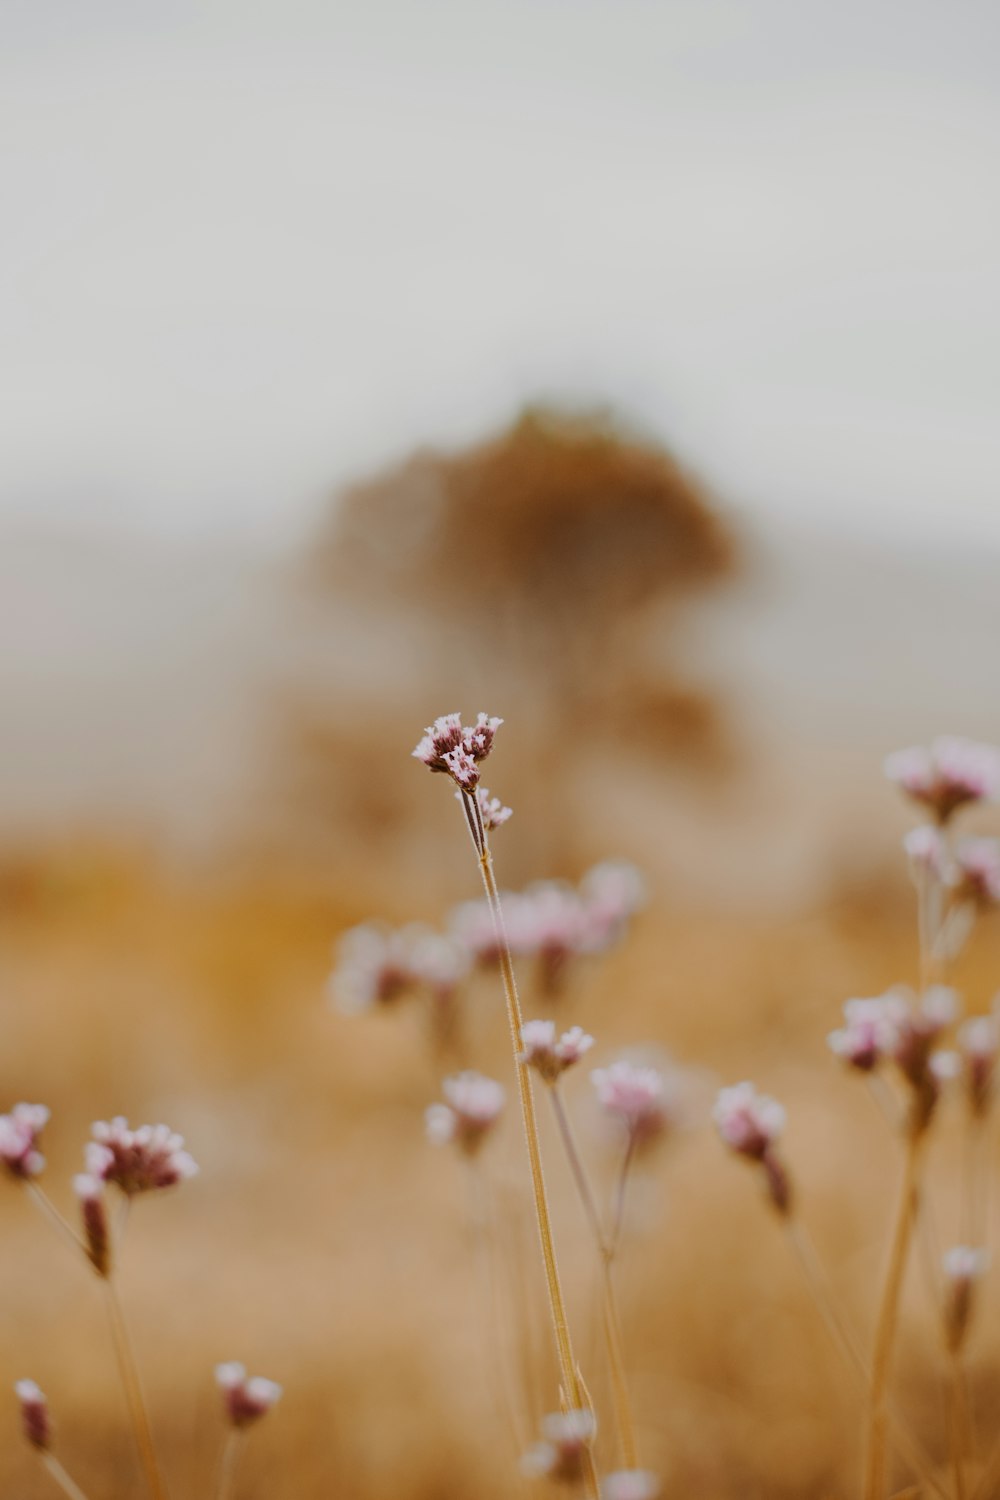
(628, 371)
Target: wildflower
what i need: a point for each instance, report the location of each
(979, 1043)
(471, 927)
(949, 774)
(548, 1056)
(455, 749)
(491, 809)
(630, 1484)
(870, 1030)
(926, 850)
(977, 871)
(918, 1027)
(96, 1233)
(962, 1267)
(638, 1097)
(245, 1401)
(473, 1108)
(561, 1454)
(137, 1161)
(36, 1424)
(612, 892)
(19, 1135)
(750, 1124)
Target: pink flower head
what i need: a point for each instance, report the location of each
(919, 1026)
(870, 1031)
(748, 1122)
(630, 1484)
(547, 922)
(471, 927)
(137, 1161)
(36, 1424)
(949, 774)
(963, 1267)
(612, 893)
(977, 871)
(548, 1056)
(926, 850)
(491, 809)
(245, 1401)
(979, 1044)
(566, 1436)
(455, 749)
(19, 1136)
(377, 965)
(638, 1097)
(473, 1108)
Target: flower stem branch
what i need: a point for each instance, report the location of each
(133, 1393)
(65, 1481)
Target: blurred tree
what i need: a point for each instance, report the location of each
(536, 575)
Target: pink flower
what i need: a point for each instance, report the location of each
(19, 1136)
(473, 1108)
(96, 1233)
(491, 809)
(36, 1424)
(979, 1044)
(455, 749)
(870, 1031)
(748, 1122)
(548, 1056)
(137, 1161)
(612, 893)
(926, 850)
(562, 1454)
(638, 1097)
(977, 870)
(245, 1401)
(948, 775)
(630, 1484)
(377, 964)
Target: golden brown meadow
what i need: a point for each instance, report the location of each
(327, 1245)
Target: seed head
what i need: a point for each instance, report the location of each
(948, 775)
(36, 1424)
(547, 1055)
(473, 1108)
(137, 1161)
(244, 1400)
(19, 1135)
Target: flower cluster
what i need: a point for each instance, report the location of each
(245, 1400)
(456, 749)
(562, 1453)
(949, 774)
(901, 1029)
(19, 1135)
(644, 1100)
(473, 1108)
(137, 1161)
(548, 1055)
(979, 1045)
(750, 1124)
(377, 964)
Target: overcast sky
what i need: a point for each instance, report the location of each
(250, 250)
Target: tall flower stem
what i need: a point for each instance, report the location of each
(44, 1204)
(232, 1450)
(65, 1481)
(606, 1248)
(961, 1440)
(574, 1393)
(885, 1335)
(133, 1393)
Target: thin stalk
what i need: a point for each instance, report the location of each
(606, 1248)
(480, 1218)
(959, 1427)
(573, 1389)
(58, 1221)
(133, 1393)
(816, 1279)
(232, 1450)
(65, 1481)
(885, 1335)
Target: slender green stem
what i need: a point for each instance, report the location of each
(65, 1481)
(232, 1450)
(573, 1387)
(129, 1372)
(885, 1335)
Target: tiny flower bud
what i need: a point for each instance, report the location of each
(750, 1124)
(548, 1056)
(90, 1191)
(491, 809)
(244, 1400)
(36, 1423)
(963, 1267)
